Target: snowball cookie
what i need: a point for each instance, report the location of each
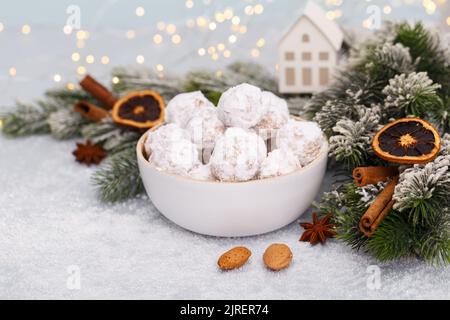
(241, 106)
(237, 155)
(304, 138)
(181, 108)
(179, 157)
(202, 172)
(277, 114)
(163, 136)
(204, 127)
(279, 162)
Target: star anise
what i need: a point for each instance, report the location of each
(319, 230)
(89, 153)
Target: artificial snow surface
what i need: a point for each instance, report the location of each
(51, 220)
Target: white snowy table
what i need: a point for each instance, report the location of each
(51, 223)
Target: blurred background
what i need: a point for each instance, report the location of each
(46, 43)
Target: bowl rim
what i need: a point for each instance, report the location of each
(140, 154)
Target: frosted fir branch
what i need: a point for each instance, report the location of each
(27, 119)
(66, 98)
(65, 124)
(423, 190)
(112, 138)
(445, 145)
(351, 142)
(411, 94)
(119, 179)
(335, 110)
(370, 192)
(393, 57)
(361, 50)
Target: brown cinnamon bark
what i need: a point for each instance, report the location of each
(98, 91)
(372, 175)
(379, 209)
(90, 111)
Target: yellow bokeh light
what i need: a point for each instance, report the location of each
(258, 9)
(331, 15)
(201, 21)
(220, 47)
(26, 29)
(90, 59)
(201, 51)
(176, 39)
(115, 80)
(104, 60)
(2, 27)
(211, 50)
(212, 26)
(75, 57)
(140, 11)
(171, 28)
(12, 72)
(189, 4)
(67, 30)
(448, 21)
(81, 70)
(159, 67)
(228, 13)
(255, 53)
(70, 86)
(236, 20)
(430, 6)
(260, 43)
(157, 38)
(82, 35)
(227, 53)
(57, 78)
(243, 29)
(366, 23)
(220, 17)
(131, 34)
(387, 9)
(215, 56)
(248, 10)
(140, 59)
(161, 26)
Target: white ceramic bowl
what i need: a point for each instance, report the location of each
(232, 209)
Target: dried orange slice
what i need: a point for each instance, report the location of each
(142, 110)
(407, 141)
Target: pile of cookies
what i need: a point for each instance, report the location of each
(248, 136)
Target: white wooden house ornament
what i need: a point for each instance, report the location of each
(309, 52)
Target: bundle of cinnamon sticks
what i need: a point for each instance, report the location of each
(383, 203)
(99, 92)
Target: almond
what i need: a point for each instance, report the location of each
(234, 258)
(277, 256)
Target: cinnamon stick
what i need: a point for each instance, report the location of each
(372, 175)
(90, 111)
(379, 209)
(98, 91)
